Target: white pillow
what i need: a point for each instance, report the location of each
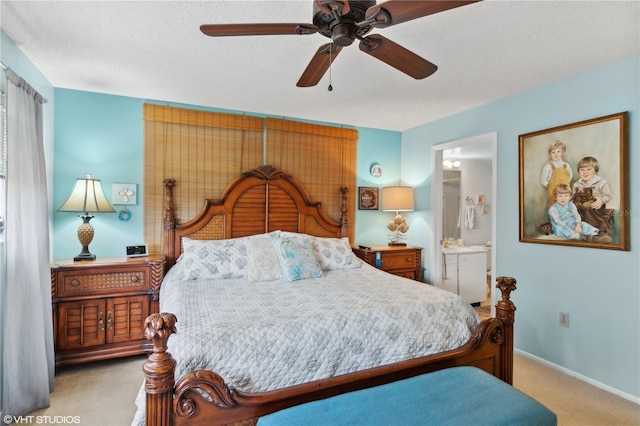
(214, 259)
(289, 234)
(297, 261)
(334, 254)
(263, 260)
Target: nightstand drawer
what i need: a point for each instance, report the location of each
(75, 283)
(407, 274)
(401, 260)
(404, 261)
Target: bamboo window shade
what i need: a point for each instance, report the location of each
(204, 151)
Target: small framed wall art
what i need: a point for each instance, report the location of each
(124, 194)
(375, 170)
(367, 198)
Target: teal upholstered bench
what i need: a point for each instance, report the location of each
(455, 396)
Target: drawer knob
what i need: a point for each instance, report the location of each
(75, 283)
(134, 279)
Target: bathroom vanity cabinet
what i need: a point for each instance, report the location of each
(464, 272)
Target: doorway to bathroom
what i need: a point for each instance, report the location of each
(464, 199)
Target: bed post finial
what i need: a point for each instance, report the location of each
(159, 370)
(344, 222)
(169, 208)
(169, 222)
(505, 311)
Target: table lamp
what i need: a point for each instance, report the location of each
(397, 199)
(86, 197)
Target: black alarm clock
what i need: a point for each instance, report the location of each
(137, 251)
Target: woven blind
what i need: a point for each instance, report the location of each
(204, 151)
(322, 158)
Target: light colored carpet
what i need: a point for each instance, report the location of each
(483, 312)
(103, 394)
(575, 402)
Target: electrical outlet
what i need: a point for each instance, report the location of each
(564, 319)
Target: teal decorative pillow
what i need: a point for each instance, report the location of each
(334, 254)
(296, 258)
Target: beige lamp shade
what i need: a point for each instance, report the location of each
(87, 196)
(397, 198)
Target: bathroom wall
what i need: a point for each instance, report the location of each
(476, 181)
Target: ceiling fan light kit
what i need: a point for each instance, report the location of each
(345, 21)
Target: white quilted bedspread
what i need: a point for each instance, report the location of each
(268, 335)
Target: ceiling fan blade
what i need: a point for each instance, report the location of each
(319, 64)
(224, 30)
(397, 56)
(393, 12)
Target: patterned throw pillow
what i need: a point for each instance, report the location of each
(214, 259)
(263, 260)
(334, 254)
(296, 258)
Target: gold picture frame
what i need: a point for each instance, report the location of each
(552, 160)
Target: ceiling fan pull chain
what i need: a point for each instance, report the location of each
(330, 88)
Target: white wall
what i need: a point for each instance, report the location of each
(476, 180)
(600, 289)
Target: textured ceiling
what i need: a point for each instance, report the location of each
(154, 50)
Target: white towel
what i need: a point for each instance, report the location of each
(470, 217)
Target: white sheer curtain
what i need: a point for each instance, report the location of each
(28, 361)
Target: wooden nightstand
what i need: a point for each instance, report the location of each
(99, 307)
(404, 261)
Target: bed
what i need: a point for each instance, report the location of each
(248, 342)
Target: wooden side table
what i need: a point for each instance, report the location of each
(404, 261)
(99, 307)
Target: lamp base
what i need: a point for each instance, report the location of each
(86, 257)
(85, 254)
(85, 236)
(397, 244)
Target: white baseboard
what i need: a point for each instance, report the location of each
(578, 376)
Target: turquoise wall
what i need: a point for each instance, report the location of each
(600, 289)
(103, 135)
(381, 147)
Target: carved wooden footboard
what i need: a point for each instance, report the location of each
(490, 348)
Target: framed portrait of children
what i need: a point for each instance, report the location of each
(574, 184)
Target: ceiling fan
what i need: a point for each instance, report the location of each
(345, 21)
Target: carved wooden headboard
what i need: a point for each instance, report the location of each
(259, 200)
